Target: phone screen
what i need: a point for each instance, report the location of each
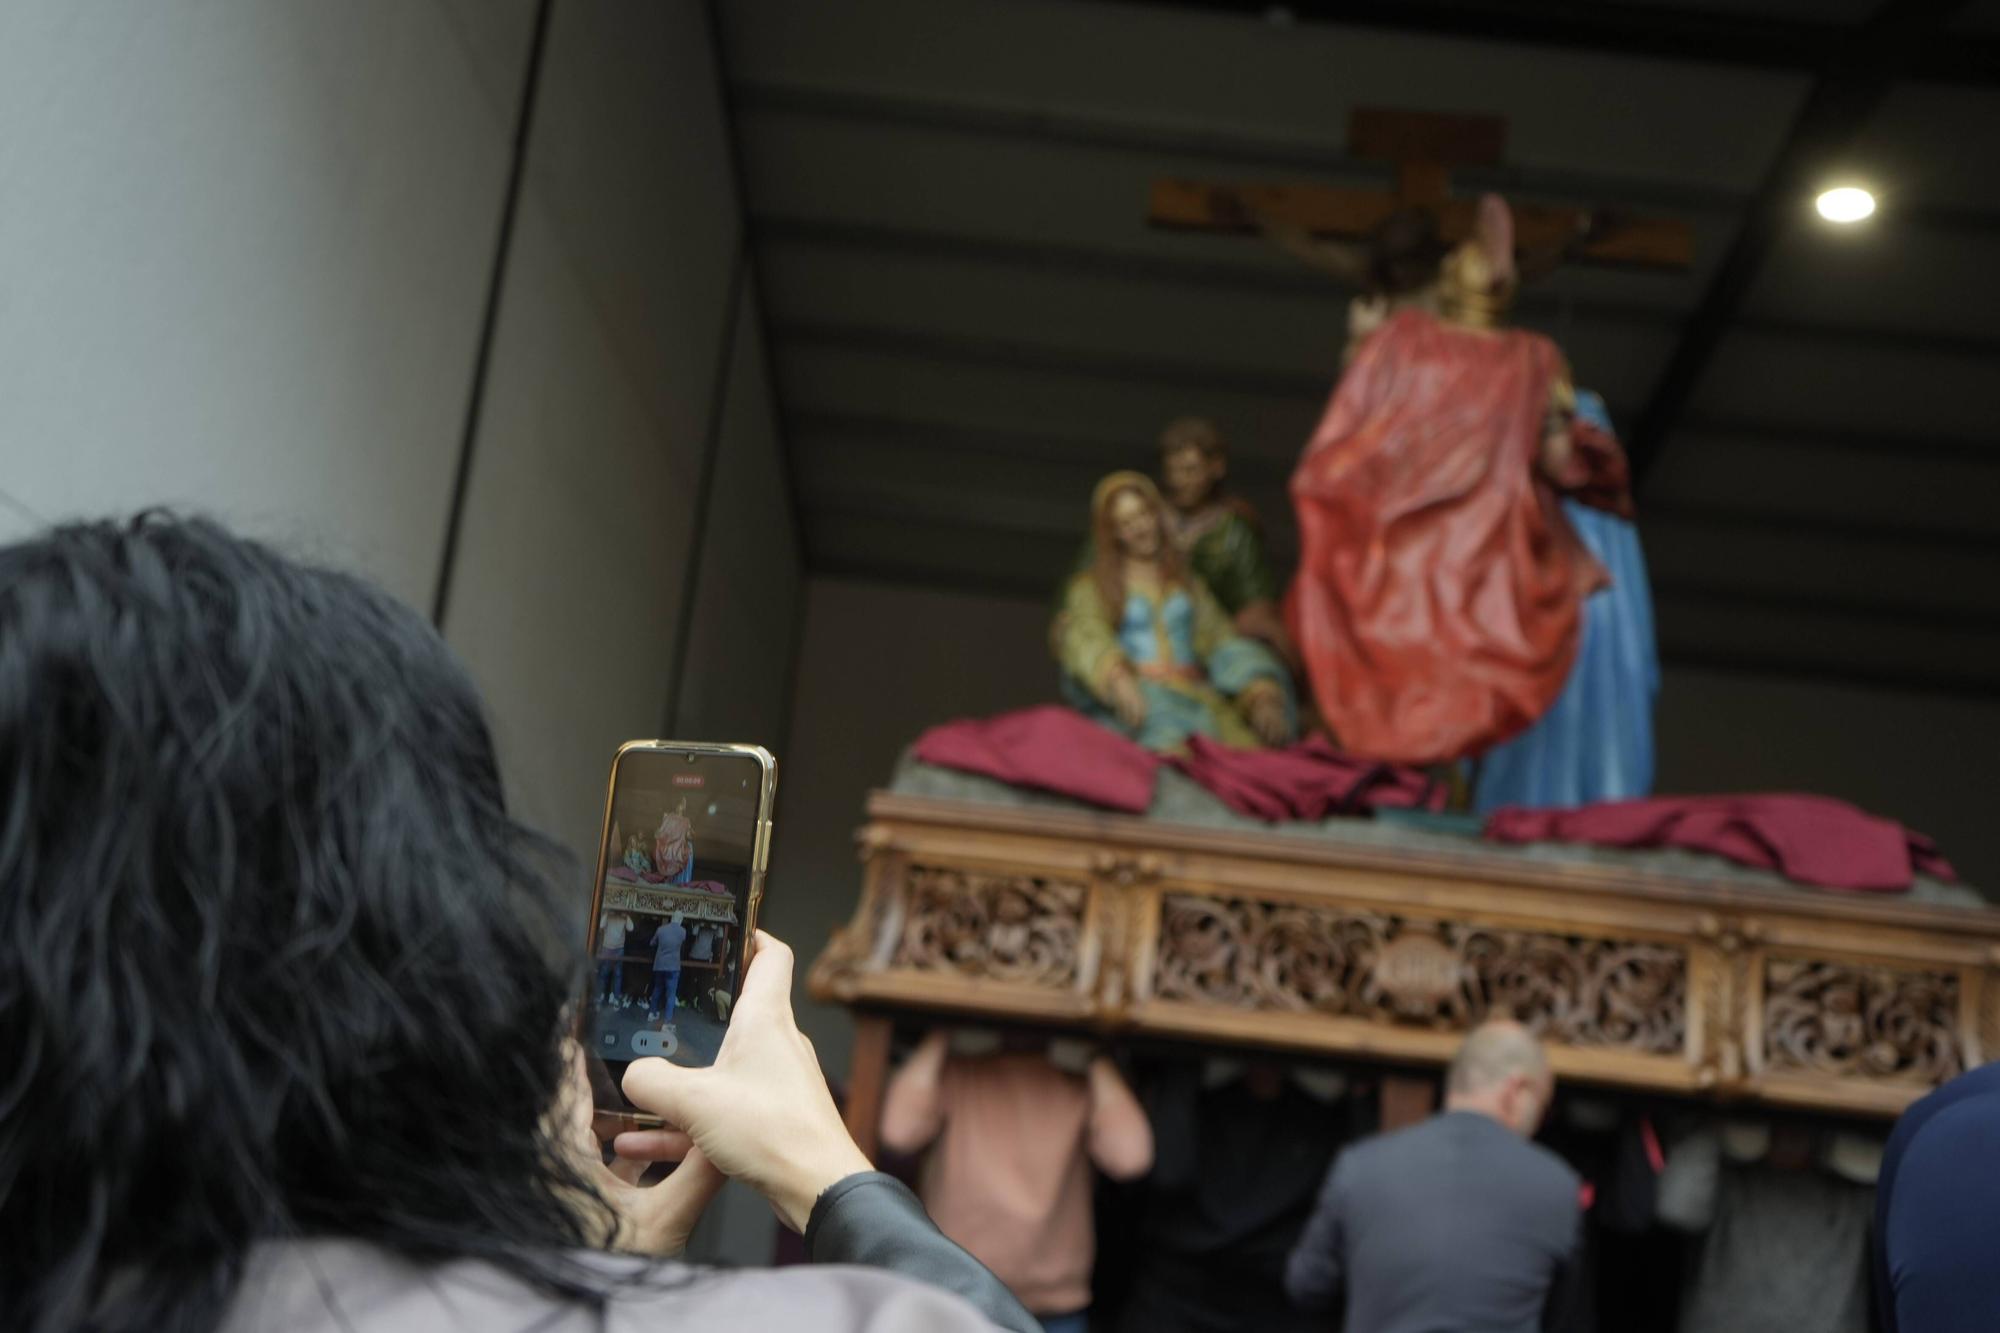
(675, 878)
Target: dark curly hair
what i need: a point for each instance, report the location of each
(274, 960)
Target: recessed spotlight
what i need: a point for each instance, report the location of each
(1846, 204)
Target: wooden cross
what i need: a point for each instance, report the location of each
(1424, 147)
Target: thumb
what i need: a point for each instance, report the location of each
(669, 1091)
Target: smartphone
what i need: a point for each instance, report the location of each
(680, 876)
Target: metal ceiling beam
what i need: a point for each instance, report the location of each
(1308, 389)
(1285, 280)
(1239, 151)
(1012, 354)
(1858, 75)
(1656, 31)
(1739, 519)
(1816, 440)
(1279, 277)
(1232, 149)
(913, 440)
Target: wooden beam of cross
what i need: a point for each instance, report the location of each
(1424, 147)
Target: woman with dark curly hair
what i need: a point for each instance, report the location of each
(284, 993)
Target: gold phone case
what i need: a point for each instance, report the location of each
(760, 854)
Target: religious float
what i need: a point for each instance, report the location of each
(1470, 609)
(1386, 940)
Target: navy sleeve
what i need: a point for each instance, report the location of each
(1983, 1081)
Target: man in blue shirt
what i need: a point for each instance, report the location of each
(666, 968)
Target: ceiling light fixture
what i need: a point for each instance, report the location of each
(1848, 203)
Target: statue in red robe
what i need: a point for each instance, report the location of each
(1440, 587)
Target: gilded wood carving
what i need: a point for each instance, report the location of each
(1579, 990)
(1016, 928)
(1871, 1022)
(1695, 990)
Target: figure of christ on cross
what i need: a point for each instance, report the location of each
(1329, 226)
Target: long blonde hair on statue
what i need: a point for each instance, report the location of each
(1108, 566)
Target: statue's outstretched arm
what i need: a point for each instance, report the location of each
(1345, 260)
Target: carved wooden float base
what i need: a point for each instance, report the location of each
(1842, 1004)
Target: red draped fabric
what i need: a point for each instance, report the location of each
(1051, 748)
(1440, 589)
(1056, 749)
(1812, 839)
(1309, 780)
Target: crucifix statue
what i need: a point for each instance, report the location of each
(1440, 601)
(1329, 226)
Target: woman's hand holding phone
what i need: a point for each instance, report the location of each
(762, 1113)
(647, 1219)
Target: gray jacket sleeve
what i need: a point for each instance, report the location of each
(1565, 1309)
(874, 1220)
(1313, 1272)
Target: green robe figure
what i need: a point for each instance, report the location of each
(1217, 534)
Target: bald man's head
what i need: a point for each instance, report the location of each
(1501, 1071)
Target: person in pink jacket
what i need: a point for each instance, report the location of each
(1013, 1138)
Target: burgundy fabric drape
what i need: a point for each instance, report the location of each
(1812, 839)
(1309, 780)
(1054, 749)
(1049, 748)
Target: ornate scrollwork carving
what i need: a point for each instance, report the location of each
(1577, 990)
(836, 973)
(1016, 928)
(1861, 1022)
